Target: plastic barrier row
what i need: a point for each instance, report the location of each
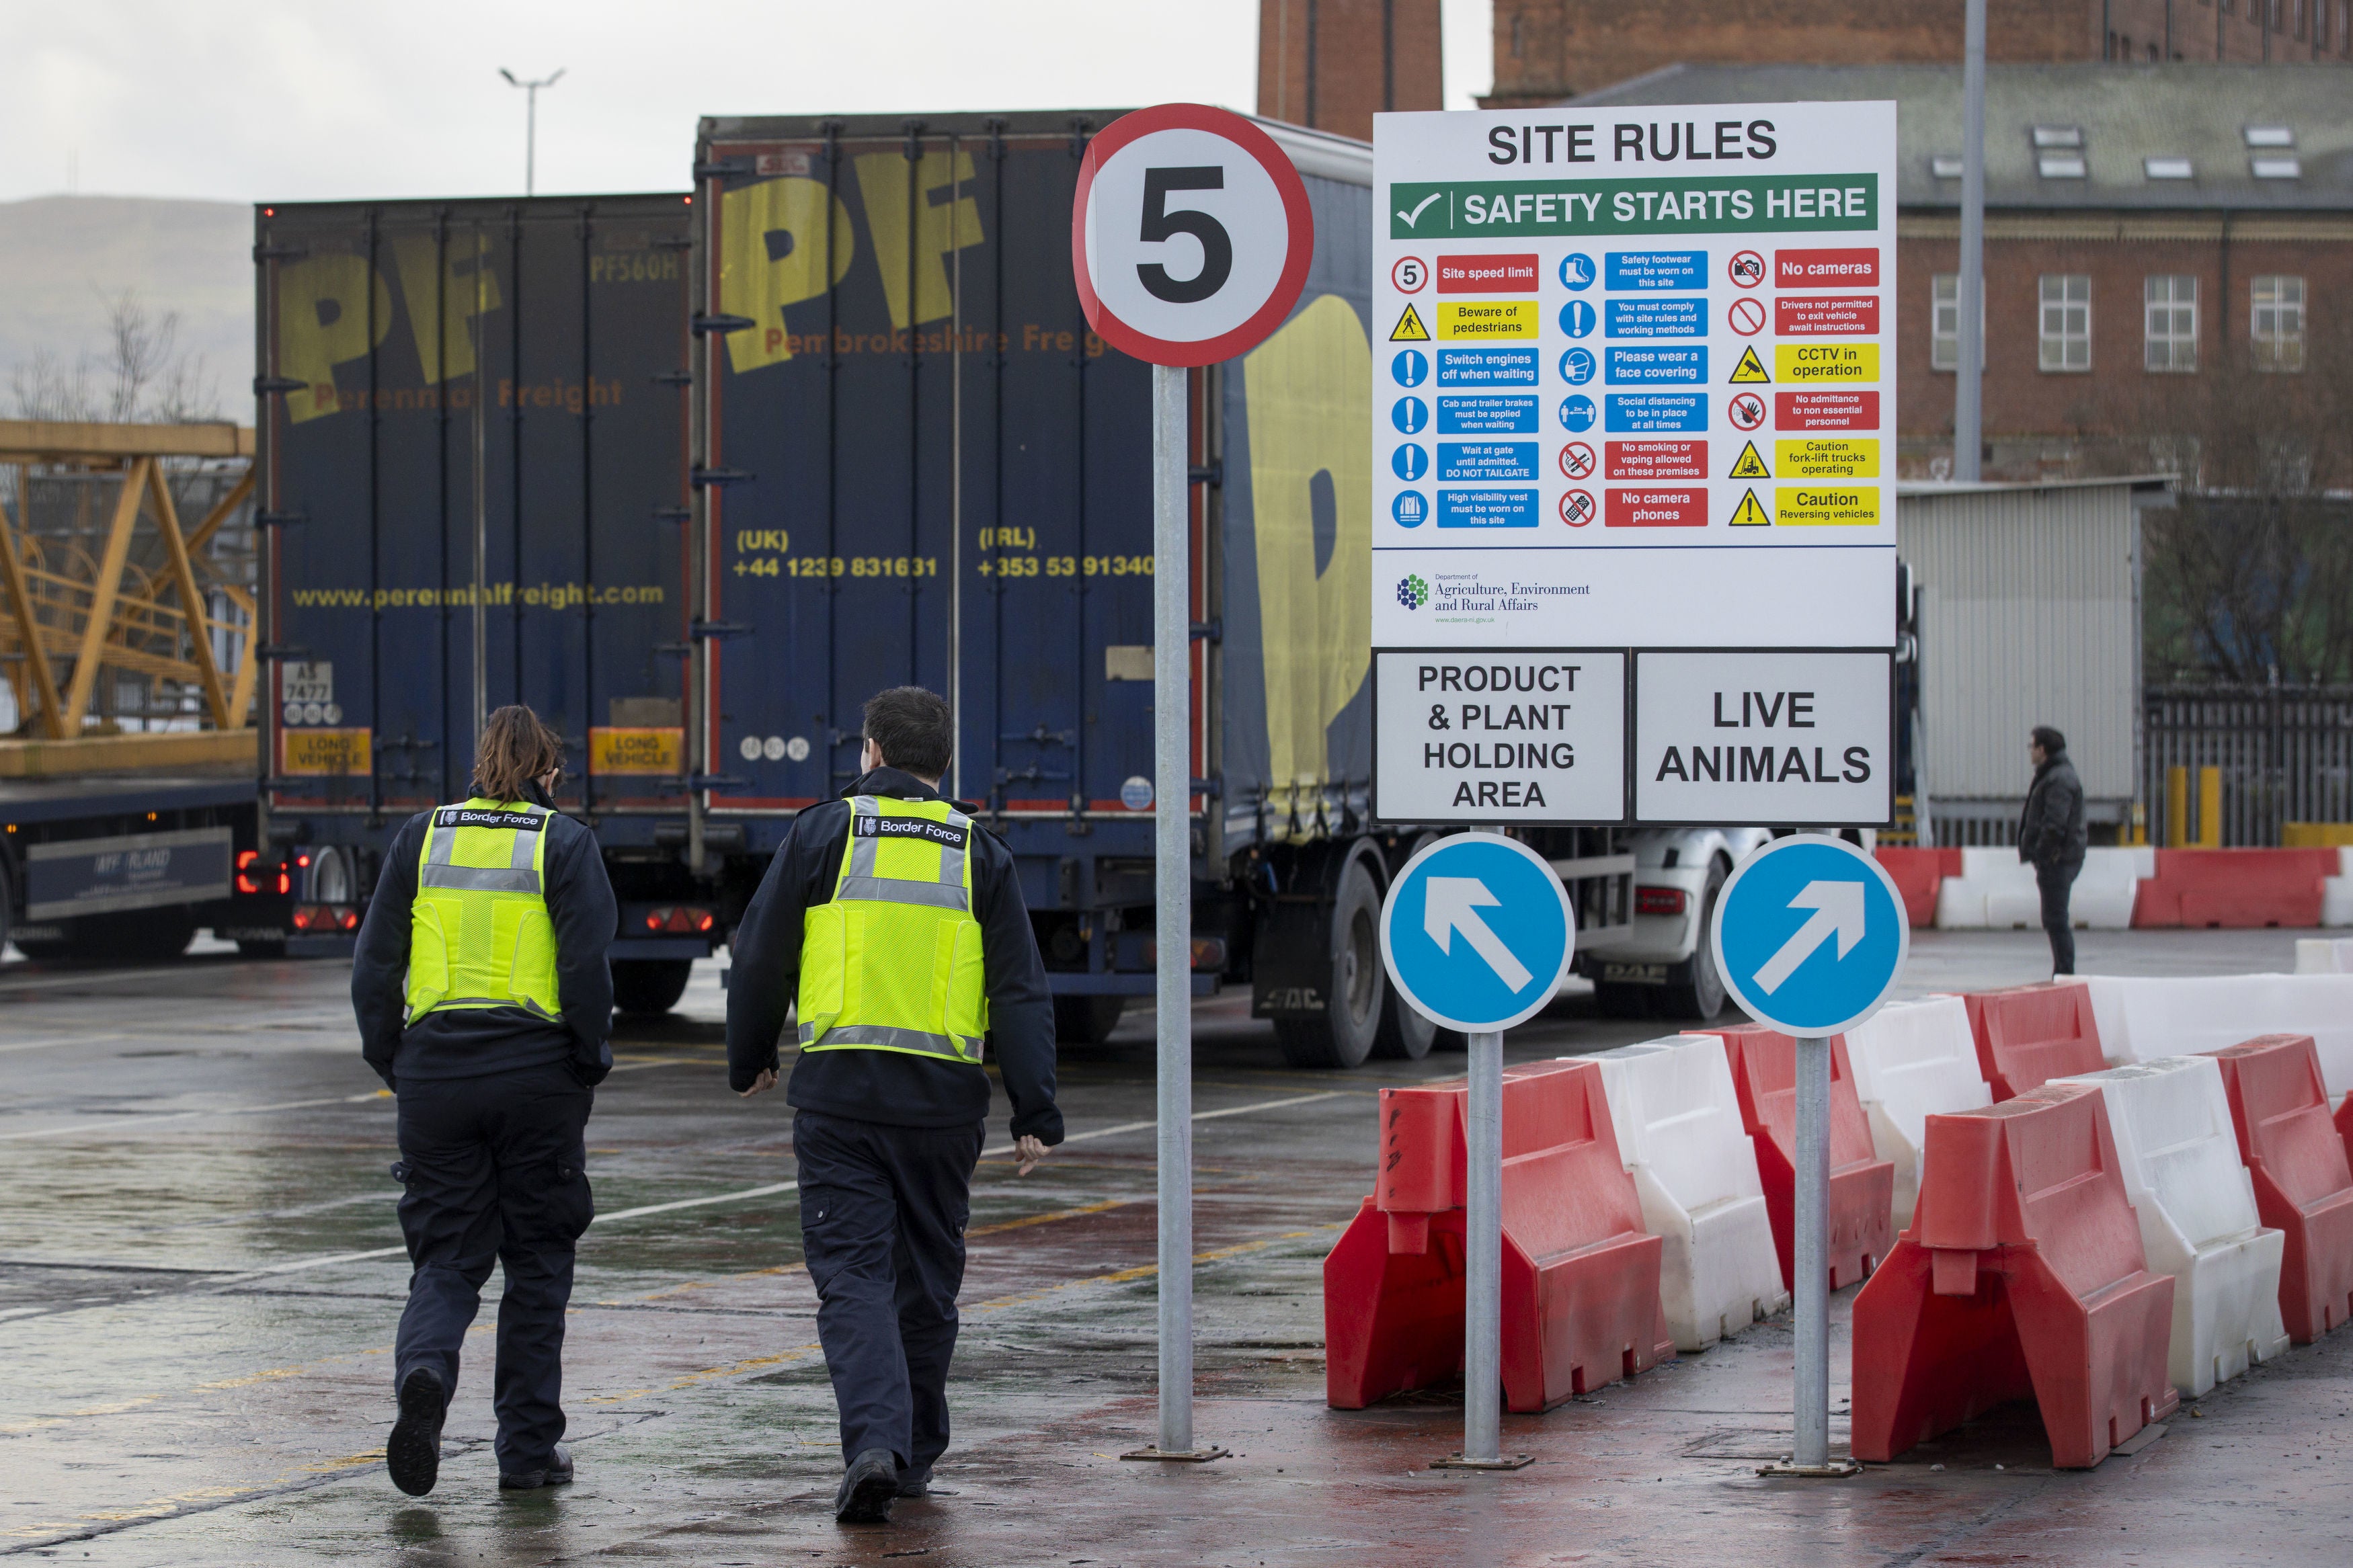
(2144, 1018)
(2137, 886)
(1996, 890)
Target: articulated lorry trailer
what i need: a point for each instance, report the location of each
(694, 475)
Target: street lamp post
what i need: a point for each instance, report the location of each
(530, 121)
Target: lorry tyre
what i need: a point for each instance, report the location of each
(1087, 1020)
(650, 986)
(1343, 1036)
(1700, 998)
(1405, 1035)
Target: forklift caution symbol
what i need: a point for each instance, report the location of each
(1749, 369)
(1409, 329)
(1748, 514)
(1751, 465)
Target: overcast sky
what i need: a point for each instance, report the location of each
(310, 99)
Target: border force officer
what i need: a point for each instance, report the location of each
(484, 1003)
(897, 926)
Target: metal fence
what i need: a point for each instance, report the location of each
(2285, 754)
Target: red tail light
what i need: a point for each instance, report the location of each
(1660, 900)
(682, 919)
(245, 859)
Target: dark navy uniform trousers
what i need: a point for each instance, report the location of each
(883, 1211)
(496, 1172)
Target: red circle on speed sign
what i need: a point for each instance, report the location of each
(1576, 507)
(1746, 269)
(1409, 276)
(1746, 317)
(1576, 460)
(1191, 234)
(1745, 410)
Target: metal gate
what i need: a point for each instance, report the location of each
(2283, 755)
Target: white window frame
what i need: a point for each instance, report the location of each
(2063, 322)
(1945, 323)
(2275, 321)
(2169, 322)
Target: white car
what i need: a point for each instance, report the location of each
(1666, 970)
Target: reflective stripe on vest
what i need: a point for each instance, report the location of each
(480, 934)
(893, 961)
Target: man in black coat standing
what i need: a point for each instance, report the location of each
(2051, 839)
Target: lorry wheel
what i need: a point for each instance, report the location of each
(1700, 998)
(1087, 1020)
(1405, 1035)
(649, 984)
(1343, 1035)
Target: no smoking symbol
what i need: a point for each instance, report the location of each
(1576, 460)
(1746, 411)
(1576, 507)
(1746, 268)
(1746, 316)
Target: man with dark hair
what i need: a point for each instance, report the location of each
(2051, 839)
(895, 925)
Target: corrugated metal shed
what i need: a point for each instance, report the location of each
(2030, 614)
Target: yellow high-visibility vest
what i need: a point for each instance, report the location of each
(480, 935)
(893, 962)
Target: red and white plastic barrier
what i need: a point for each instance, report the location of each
(1679, 1132)
(2178, 1155)
(1912, 1061)
(2141, 1018)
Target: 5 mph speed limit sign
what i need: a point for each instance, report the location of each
(1190, 237)
(1191, 234)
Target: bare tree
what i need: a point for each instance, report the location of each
(140, 374)
(2250, 578)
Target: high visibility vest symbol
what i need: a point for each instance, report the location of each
(1748, 514)
(1750, 367)
(1751, 465)
(1409, 329)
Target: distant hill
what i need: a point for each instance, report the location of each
(64, 258)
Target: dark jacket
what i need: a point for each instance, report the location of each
(467, 1042)
(888, 1087)
(2051, 831)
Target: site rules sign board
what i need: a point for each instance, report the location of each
(1634, 412)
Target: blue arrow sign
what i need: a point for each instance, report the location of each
(1809, 935)
(1477, 932)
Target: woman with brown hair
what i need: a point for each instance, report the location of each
(484, 1002)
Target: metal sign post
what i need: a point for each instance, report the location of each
(1809, 935)
(1173, 878)
(1190, 238)
(1476, 933)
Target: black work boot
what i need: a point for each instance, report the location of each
(868, 1489)
(413, 1452)
(915, 1483)
(557, 1472)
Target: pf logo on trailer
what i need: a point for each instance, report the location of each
(1191, 234)
(1809, 935)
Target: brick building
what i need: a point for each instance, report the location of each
(1546, 50)
(2150, 231)
(1332, 65)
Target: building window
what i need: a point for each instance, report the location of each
(1519, 33)
(2276, 327)
(2066, 321)
(1945, 323)
(2173, 322)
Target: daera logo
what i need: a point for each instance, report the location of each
(1412, 592)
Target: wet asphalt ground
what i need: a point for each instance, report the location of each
(200, 1273)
